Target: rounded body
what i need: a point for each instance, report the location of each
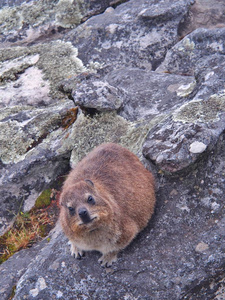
(106, 200)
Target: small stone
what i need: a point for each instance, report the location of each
(201, 247)
(159, 158)
(197, 147)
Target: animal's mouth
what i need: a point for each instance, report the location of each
(87, 221)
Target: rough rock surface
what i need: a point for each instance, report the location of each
(148, 75)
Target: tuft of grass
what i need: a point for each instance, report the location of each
(30, 227)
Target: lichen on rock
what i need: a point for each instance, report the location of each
(65, 13)
(88, 133)
(47, 63)
(207, 110)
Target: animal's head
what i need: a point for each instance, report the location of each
(83, 208)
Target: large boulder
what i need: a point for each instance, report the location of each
(136, 33)
(142, 79)
(30, 21)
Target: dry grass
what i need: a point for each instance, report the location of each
(28, 228)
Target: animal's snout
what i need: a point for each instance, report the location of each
(82, 212)
(84, 215)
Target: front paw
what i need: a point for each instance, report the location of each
(108, 259)
(76, 252)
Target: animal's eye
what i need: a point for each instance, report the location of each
(91, 200)
(71, 210)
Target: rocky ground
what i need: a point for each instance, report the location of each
(149, 75)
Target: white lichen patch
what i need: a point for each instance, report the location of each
(59, 61)
(29, 89)
(218, 47)
(187, 45)
(59, 295)
(197, 147)
(51, 63)
(13, 144)
(186, 90)
(10, 18)
(19, 63)
(39, 286)
(69, 13)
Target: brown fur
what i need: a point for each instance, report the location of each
(124, 196)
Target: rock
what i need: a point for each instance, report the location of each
(15, 267)
(203, 14)
(198, 46)
(31, 21)
(133, 34)
(32, 112)
(165, 252)
(29, 74)
(33, 157)
(125, 91)
(203, 118)
(138, 84)
(97, 94)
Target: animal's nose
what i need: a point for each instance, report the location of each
(82, 212)
(84, 215)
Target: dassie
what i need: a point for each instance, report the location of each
(106, 201)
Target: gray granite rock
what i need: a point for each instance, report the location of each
(32, 155)
(12, 270)
(172, 118)
(135, 93)
(203, 14)
(136, 33)
(202, 118)
(180, 255)
(184, 57)
(30, 21)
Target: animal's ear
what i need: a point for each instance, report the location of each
(89, 182)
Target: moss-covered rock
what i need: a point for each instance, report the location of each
(44, 199)
(36, 72)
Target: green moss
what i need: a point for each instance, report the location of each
(42, 230)
(44, 199)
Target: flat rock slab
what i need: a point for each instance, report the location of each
(180, 254)
(136, 94)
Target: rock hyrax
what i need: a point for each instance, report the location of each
(106, 201)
